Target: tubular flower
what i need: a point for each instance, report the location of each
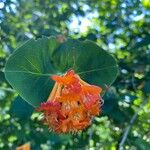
(72, 104)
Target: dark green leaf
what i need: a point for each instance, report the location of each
(21, 109)
(2, 77)
(29, 68)
(139, 143)
(91, 62)
(147, 87)
(117, 115)
(110, 101)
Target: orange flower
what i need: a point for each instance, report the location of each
(72, 104)
(24, 147)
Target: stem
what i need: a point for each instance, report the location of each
(128, 128)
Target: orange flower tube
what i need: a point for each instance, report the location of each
(71, 104)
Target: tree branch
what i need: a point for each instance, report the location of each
(126, 132)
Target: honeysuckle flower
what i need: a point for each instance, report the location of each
(71, 104)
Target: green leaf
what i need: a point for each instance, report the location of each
(21, 109)
(110, 101)
(29, 68)
(92, 63)
(117, 115)
(146, 88)
(139, 143)
(2, 77)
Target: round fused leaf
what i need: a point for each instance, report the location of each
(89, 61)
(21, 109)
(29, 68)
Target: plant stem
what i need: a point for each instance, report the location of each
(128, 128)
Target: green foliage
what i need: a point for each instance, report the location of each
(88, 60)
(30, 75)
(40, 59)
(21, 109)
(119, 27)
(147, 87)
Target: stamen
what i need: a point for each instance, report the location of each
(72, 104)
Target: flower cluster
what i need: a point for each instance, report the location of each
(72, 104)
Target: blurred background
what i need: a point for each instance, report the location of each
(121, 27)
